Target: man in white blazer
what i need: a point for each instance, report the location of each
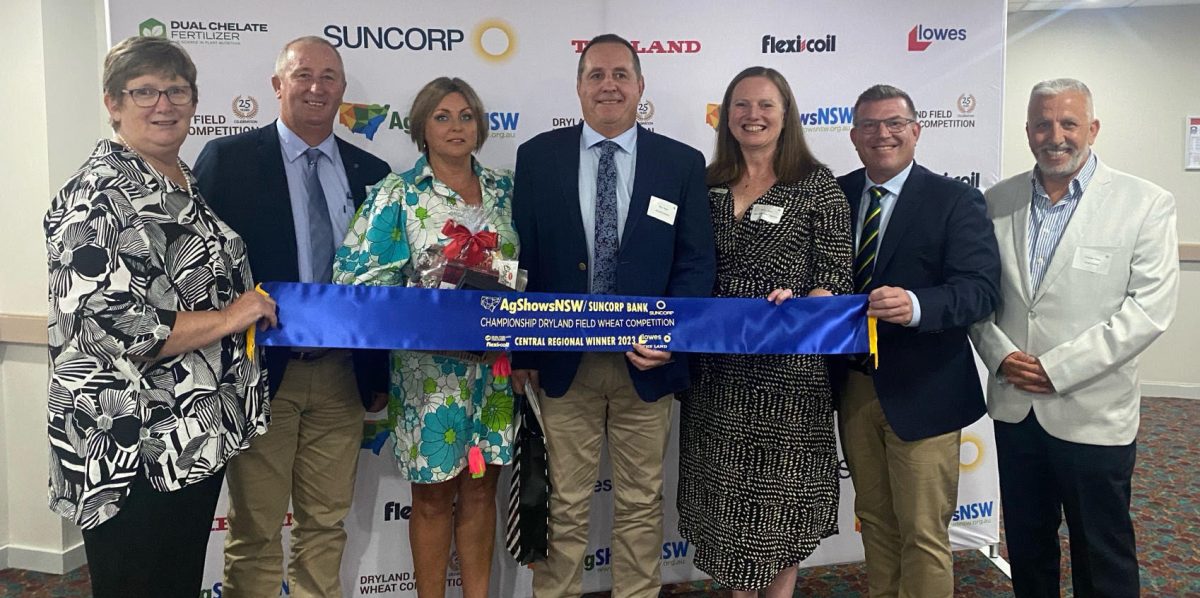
(1090, 268)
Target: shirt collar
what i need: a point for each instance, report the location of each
(1078, 184)
(294, 146)
(627, 140)
(895, 184)
(425, 171)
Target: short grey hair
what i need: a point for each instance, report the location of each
(281, 61)
(1053, 87)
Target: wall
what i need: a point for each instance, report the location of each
(1140, 65)
(52, 50)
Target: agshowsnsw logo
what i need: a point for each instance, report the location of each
(657, 46)
(798, 44)
(921, 36)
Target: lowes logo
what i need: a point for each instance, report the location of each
(921, 37)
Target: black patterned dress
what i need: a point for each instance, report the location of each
(128, 250)
(758, 480)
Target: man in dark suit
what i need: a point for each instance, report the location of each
(608, 207)
(289, 189)
(926, 254)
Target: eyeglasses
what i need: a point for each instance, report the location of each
(146, 97)
(894, 125)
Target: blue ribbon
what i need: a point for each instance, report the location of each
(370, 317)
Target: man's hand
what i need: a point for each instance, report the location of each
(778, 296)
(890, 304)
(645, 358)
(520, 377)
(1025, 372)
(379, 400)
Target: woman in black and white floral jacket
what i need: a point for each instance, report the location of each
(151, 387)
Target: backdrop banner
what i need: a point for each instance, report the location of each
(521, 58)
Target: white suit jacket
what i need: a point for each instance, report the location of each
(1109, 291)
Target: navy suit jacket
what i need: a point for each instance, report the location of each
(938, 244)
(655, 258)
(243, 180)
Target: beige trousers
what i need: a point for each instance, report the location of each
(905, 494)
(309, 454)
(603, 403)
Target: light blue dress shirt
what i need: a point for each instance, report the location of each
(333, 180)
(1048, 222)
(589, 164)
(887, 204)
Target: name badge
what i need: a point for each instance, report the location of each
(772, 214)
(1092, 259)
(662, 209)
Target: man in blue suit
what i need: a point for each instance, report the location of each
(608, 207)
(926, 255)
(289, 189)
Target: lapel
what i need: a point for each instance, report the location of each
(354, 175)
(274, 184)
(854, 190)
(904, 213)
(1019, 221)
(1090, 204)
(568, 172)
(639, 199)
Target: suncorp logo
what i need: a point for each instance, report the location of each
(828, 119)
(670, 46)
(494, 40)
(798, 44)
(921, 36)
(378, 37)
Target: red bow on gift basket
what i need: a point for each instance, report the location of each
(465, 247)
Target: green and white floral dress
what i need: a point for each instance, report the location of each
(440, 406)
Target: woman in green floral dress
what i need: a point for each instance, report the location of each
(443, 407)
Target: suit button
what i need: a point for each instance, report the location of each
(582, 266)
(1032, 315)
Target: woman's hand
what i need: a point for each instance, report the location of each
(819, 292)
(250, 308)
(778, 296)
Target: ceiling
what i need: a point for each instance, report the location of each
(1019, 5)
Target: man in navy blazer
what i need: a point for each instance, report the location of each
(926, 254)
(608, 207)
(264, 184)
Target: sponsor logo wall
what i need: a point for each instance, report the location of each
(521, 58)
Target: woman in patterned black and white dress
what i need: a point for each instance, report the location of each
(758, 486)
(151, 388)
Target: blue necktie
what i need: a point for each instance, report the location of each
(320, 229)
(604, 262)
(868, 244)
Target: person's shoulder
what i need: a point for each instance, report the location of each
(1016, 184)
(850, 177)
(938, 184)
(358, 154)
(1126, 182)
(552, 139)
(245, 139)
(661, 143)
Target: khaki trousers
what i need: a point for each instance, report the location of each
(905, 495)
(310, 454)
(602, 402)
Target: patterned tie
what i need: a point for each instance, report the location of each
(868, 244)
(320, 229)
(604, 262)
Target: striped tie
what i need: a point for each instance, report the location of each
(868, 244)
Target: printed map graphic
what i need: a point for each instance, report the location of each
(363, 119)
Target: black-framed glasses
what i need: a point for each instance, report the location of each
(146, 97)
(894, 125)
